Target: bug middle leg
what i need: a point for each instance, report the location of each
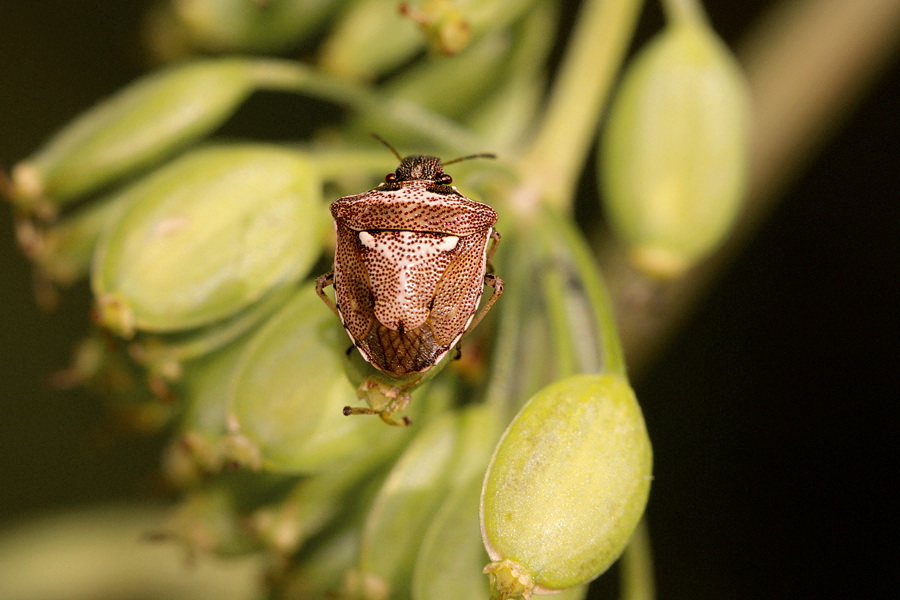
(496, 283)
(323, 282)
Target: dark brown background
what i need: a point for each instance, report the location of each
(772, 414)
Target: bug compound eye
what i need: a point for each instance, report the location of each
(390, 178)
(445, 179)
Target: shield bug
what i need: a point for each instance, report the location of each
(410, 266)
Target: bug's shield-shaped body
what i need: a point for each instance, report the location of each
(409, 268)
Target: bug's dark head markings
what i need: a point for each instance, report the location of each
(420, 168)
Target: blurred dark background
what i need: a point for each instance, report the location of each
(772, 412)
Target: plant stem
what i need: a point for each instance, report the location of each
(555, 159)
(284, 75)
(684, 10)
(637, 567)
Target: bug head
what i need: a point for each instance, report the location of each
(420, 167)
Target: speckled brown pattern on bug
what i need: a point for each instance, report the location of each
(408, 301)
(409, 267)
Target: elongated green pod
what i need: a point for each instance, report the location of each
(576, 300)
(165, 355)
(238, 25)
(404, 505)
(446, 27)
(314, 502)
(509, 112)
(290, 391)
(138, 126)
(452, 555)
(206, 236)
(674, 153)
(431, 83)
(201, 446)
(566, 486)
(66, 247)
(522, 361)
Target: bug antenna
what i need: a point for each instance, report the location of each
(386, 143)
(462, 158)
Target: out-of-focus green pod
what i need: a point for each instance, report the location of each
(208, 520)
(516, 94)
(434, 82)
(370, 38)
(321, 571)
(566, 486)
(290, 390)
(522, 361)
(164, 355)
(450, 561)
(206, 236)
(575, 300)
(320, 500)
(674, 153)
(64, 252)
(396, 36)
(138, 126)
(239, 25)
(202, 445)
(403, 507)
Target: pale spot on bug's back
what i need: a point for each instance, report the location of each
(448, 243)
(366, 239)
(404, 268)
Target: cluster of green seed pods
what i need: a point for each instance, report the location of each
(527, 467)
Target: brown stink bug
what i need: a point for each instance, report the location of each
(410, 266)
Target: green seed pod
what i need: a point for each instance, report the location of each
(290, 391)
(566, 486)
(575, 300)
(202, 445)
(398, 35)
(241, 26)
(364, 25)
(206, 236)
(313, 503)
(402, 508)
(65, 249)
(452, 554)
(431, 83)
(164, 355)
(508, 114)
(674, 153)
(140, 125)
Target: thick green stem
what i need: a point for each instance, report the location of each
(637, 567)
(684, 10)
(283, 75)
(555, 160)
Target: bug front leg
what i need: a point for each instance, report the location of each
(496, 283)
(323, 282)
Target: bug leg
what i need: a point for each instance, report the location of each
(457, 353)
(495, 241)
(496, 283)
(384, 401)
(323, 282)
